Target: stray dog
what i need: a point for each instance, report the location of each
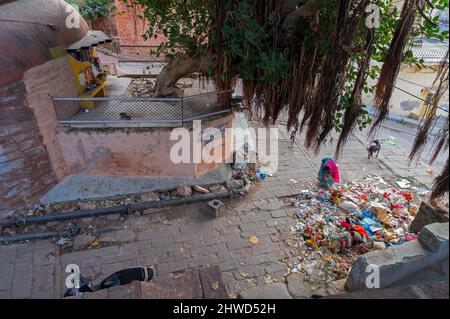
(373, 148)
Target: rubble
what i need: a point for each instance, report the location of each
(428, 215)
(235, 184)
(200, 189)
(87, 205)
(82, 241)
(149, 197)
(184, 191)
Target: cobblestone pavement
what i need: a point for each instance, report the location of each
(184, 237)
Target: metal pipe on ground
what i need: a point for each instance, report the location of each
(42, 235)
(113, 210)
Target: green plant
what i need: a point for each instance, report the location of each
(94, 9)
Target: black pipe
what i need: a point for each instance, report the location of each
(44, 235)
(113, 210)
(65, 216)
(179, 201)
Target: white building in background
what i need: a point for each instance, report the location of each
(415, 84)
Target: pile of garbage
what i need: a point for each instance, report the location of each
(336, 226)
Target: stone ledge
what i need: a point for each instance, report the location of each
(398, 262)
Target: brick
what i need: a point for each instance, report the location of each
(191, 228)
(9, 157)
(275, 267)
(203, 261)
(43, 280)
(23, 268)
(206, 250)
(7, 272)
(252, 226)
(109, 269)
(172, 267)
(278, 213)
(264, 247)
(174, 256)
(11, 166)
(22, 286)
(237, 243)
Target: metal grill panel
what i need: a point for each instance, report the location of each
(137, 110)
(136, 53)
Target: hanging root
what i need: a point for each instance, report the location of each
(440, 84)
(332, 77)
(392, 63)
(441, 142)
(351, 114)
(440, 185)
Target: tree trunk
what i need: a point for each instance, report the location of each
(181, 66)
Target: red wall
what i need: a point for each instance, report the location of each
(25, 170)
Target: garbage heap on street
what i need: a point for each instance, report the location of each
(334, 227)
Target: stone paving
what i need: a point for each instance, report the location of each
(179, 238)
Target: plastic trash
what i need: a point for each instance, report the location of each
(261, 174)
(349, 206)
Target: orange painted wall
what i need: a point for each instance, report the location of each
(127, 152)
(130, 28)
(53, 78)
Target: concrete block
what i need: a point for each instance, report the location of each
(393, 265)
(271, 291)
(298, 287)
(435, 237)
(428, 215)
(216, 207)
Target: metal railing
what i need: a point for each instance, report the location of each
(139, 53)
(137, 111)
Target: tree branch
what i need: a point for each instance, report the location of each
(420, 10)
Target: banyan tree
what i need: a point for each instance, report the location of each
(310, 58)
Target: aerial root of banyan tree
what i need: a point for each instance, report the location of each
(312, 89)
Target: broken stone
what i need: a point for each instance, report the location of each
(82, 241)
(379, 245)
(200, 189)
(149, 197)
(184, 191)
(216, 207)
(86, 205)
(271, 291)
(107, 238)
(216, 188)
(336, 287)
(428, 215)
(435, 237)
(393, 265)
(298, 287)
(66, 206)
(235, 184)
